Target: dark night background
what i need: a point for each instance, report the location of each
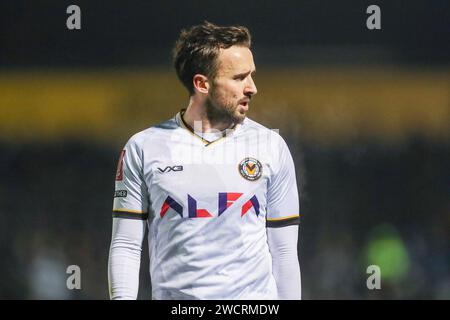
(365, 113)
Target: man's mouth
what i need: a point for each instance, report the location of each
(244, 104)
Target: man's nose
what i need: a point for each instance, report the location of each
(250, 88)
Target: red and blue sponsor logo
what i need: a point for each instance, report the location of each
(226, 199)
(171, 203)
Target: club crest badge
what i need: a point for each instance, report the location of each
(250, 169)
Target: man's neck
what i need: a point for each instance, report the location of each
(197, 118)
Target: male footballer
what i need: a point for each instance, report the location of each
(216, 190)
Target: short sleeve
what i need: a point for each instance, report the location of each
(282, 195)
(130, 196)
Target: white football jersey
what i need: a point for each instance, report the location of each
(207, 206)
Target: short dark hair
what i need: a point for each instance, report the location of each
(198, 47)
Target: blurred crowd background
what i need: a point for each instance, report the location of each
(365, 113)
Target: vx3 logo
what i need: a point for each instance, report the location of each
(169, 168)
(226, 199)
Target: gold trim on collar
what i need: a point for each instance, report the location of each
(191, 130)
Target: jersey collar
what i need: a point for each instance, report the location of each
(207, 138)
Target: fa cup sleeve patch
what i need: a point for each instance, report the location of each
(119, 173)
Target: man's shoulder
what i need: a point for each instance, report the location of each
(270, 138)
(250, 123)
(253, 126)
(153, 132)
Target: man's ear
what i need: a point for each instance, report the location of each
(201, 83)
